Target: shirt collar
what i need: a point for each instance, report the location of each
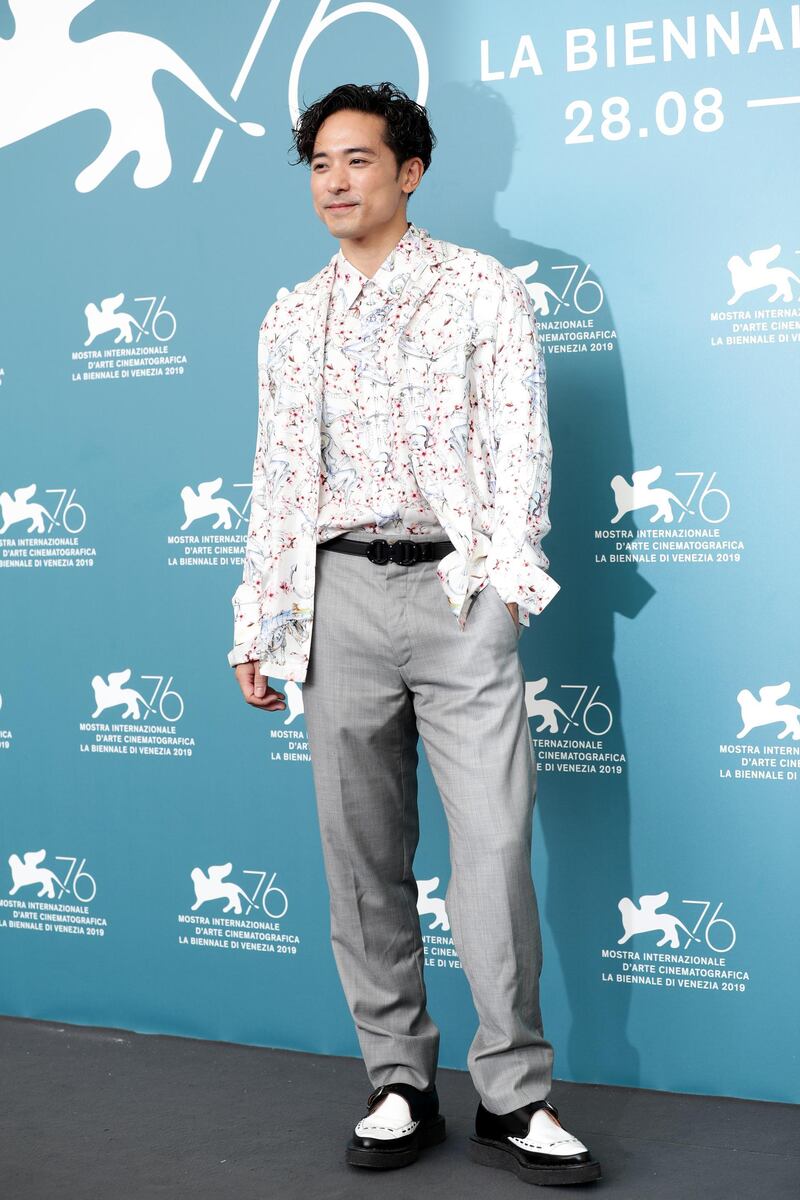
(391, 274)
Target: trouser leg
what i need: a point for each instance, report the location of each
(471, 715)
(363, 743)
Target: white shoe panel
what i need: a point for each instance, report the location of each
(546, 1136)
(390, 1118)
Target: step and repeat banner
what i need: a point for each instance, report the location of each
(161, 867)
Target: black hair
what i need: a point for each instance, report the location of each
(407, 133)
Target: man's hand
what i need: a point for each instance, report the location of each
(255, 688)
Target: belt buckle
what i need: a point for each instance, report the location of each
(378, 551)
(404, 551)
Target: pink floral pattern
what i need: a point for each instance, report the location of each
(460, 355)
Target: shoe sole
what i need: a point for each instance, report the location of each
(494, 1154)
(429, 1135)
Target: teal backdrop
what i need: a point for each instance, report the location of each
(640, 173)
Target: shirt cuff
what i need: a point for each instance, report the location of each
(245, 625)
(521, 581)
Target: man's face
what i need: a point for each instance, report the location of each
(355, 185)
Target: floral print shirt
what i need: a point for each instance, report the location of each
(368, 481)
(462, 371)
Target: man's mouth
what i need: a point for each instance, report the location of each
(339, 206)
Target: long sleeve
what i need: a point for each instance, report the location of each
(517, 565)
(247, 597)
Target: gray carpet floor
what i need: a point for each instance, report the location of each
(99, 1114)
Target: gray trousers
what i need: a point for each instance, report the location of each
(389, 664)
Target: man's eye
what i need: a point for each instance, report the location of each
(319, 166)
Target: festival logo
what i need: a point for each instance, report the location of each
(764, 304)
(40, 907)
(684, 520)
(690, 951)
(50, 533)
(574, 730)
(120, 345)
(772, 755)
(140, 719)
(572, 288)
(213, 532)
(247, 916)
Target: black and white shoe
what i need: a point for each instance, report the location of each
(531, 1142)
(401, 1120)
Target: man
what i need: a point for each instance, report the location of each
(400, 490)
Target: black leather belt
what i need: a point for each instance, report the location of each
(404, 550)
